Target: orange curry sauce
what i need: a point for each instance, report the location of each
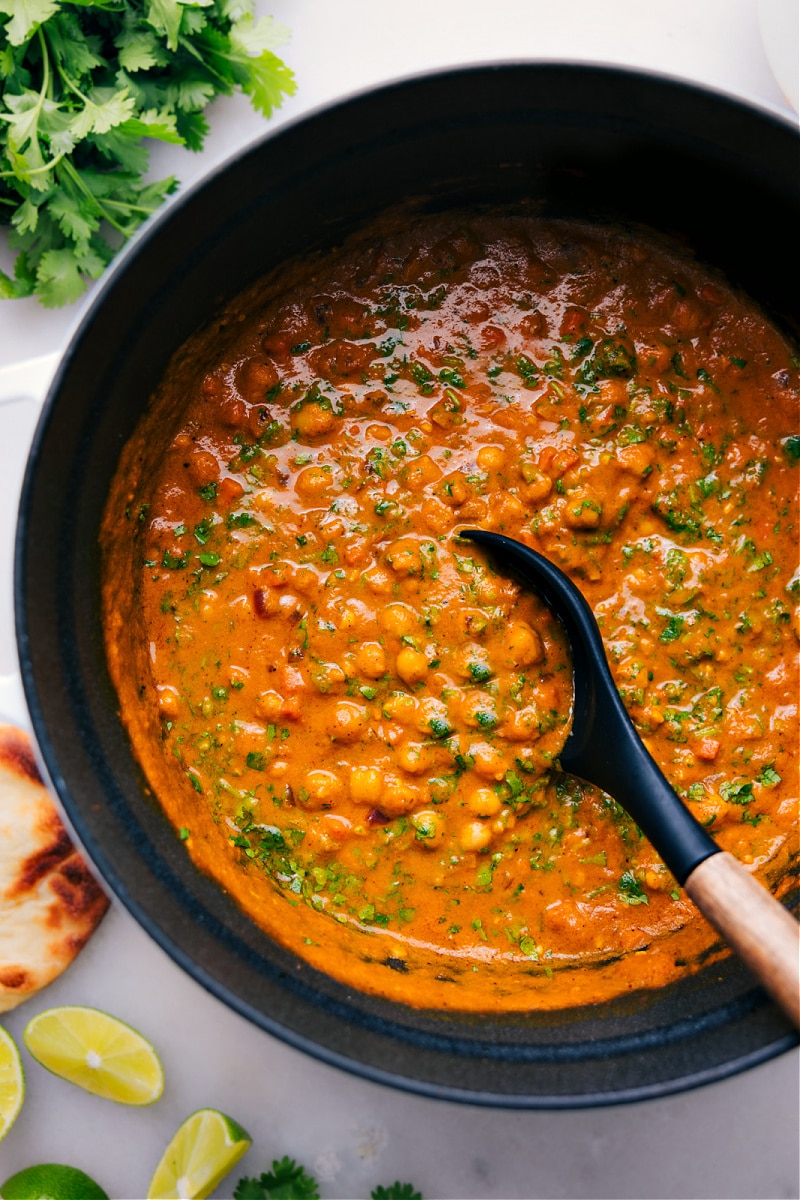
(351, 720)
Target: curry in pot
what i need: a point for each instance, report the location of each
(351, 720)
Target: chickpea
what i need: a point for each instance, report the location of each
(583, 510)
(306, 581)
(335, 827)
(657, 877)
(438, 517)
(472, 622)
(399, 619)
(203, 467)
(354, 615)
(433, 717)
(454, 489)
(403, 557)
(208, 604)
(328, 677)
(397, 797)
(269, 705)
(483, 802)
(540, 490)
(487, 762)
(652, 716)
(355, 551)
(430, 828)
(312, 420)
(313, 481)
(506, 509)
(478, 711)
(522, 645)
(522, 725)
(318, 840)
(414, 757)
(169, 701)
(232, 412)
(366, 784)
(474, 836)
(348, 722)
(487, 591)
(411, 666)
(254, 378)
(537, 483)
(490, 458)
(420, 473)
(472, 662)
(212, 388)
(321, 789)
(637, 458)
(400, 707)
(371, 660)
(273, 576)
(379, 581)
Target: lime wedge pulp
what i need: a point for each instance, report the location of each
(12, 1082)
(51, 1181)
(97, 1052)
(204, 1149)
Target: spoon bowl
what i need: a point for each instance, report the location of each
(604, 748)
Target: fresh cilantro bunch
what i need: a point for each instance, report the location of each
(289, 1181)
(82, 87)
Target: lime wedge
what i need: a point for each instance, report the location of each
(205, 1148)
(97, 1052)
(12, 1082)
(51, 1181)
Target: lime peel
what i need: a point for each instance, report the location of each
(51, 1181)
(96, 1052)
(12, 1082)
(201, 1153)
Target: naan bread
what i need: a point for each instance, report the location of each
(50, 904)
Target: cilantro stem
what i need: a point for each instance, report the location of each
(187, 45)
(134, 208)
(45, 70)
(76, 179)
(48, 166)
(73, 87)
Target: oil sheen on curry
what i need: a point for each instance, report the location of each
(351, 720)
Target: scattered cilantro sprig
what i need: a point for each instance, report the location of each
(396, 1191)
(83, 86)
(289, 1181)
(286, 1181)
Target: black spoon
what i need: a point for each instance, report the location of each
(604, 748)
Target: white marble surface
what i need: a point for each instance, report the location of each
(738, 1138)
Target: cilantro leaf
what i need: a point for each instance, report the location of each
(58, 278)
(286, 1181)
(26, 16)
(249, 1189)
(396, 1191)
(267, 81)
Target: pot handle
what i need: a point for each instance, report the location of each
(23, 387)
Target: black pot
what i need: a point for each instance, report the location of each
(572, 139)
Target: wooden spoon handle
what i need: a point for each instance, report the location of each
(756, 925)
